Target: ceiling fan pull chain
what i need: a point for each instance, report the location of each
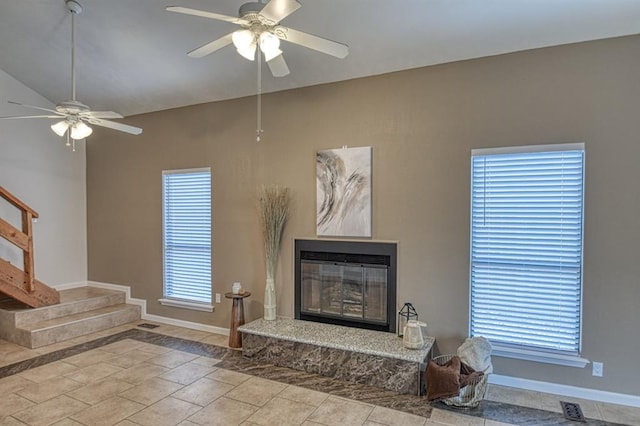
(259, 106)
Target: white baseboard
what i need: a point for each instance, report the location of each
(157, 318)
(186, 324)
(127, 291)
(573, 391)
(143, 307)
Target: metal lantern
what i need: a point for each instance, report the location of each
(408, 312)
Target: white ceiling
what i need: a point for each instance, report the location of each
(131, 54)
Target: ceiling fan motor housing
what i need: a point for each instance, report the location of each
(250, 11)
(71, 107)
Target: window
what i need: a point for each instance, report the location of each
(186, 219)
(526, 251)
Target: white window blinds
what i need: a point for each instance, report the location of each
(526, 248)
(187, 234)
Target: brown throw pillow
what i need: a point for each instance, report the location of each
(468, 374)
(443, 381)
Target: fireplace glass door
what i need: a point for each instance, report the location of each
(344, 290)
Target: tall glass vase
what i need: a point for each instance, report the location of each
(270, 300)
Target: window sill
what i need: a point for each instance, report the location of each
(539, 356)
(206, 307)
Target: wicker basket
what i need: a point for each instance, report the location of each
(470, 395)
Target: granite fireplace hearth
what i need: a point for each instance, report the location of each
(350, 354)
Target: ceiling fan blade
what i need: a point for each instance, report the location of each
(278, 66)
(320, 44)
(276, 10)
(100, 114)
(29, 116)
(36, 107)
(211, 47)
(116, 126)
(205, 14)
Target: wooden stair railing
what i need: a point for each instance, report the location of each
(14, 282)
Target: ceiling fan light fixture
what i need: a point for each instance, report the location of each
(80, 131)
(60, 128)
(248, 52)
(245, 43)
(270, 45)
(242, 39)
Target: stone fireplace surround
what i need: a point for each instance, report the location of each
(361, 350)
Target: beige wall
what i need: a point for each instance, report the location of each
(422, 125)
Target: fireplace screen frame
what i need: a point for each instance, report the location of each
(348, 253)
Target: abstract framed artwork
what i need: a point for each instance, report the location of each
(343, 192)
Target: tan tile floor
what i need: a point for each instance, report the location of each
(131, 383)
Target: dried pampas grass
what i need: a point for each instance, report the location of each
(274, 207)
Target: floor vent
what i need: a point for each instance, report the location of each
(572, 411)
(147, 325)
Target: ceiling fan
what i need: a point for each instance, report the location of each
(74, 114)
(261, 27)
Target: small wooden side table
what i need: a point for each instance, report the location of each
(237, 318)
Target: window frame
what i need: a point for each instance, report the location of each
(524, 352)
(181, 302)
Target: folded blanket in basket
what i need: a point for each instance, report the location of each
(476, 352)
(445, 381)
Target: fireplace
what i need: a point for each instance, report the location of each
(350, 283)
